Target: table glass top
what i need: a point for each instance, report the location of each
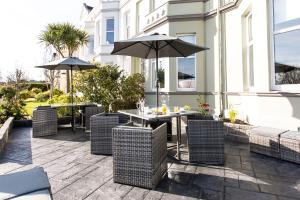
(150, 116)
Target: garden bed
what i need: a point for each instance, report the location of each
(5, 131)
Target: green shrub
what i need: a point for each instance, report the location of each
(25, 94)
(36, 90)
(44, 96)
(62, 111)
(11, 105)
(30, 85)
(108, 85)
(7, 93)
(57, 92)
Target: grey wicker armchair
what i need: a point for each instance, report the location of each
(101, 131)
(139, 155)
(90, 111)
(44, 122)
(205, 141)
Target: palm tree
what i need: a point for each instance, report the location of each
(64, 37)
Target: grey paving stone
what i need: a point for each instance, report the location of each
(281, 189)
(209, 182)
(76, 174)
(110, 190)
(240, 194)
(136, 194)
(211, 195)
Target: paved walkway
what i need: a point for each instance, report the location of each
(76, 174)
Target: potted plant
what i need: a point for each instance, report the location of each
(236, 129)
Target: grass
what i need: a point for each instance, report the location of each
(31, 104)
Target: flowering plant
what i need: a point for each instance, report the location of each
(203, 106)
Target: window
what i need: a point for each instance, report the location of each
(127, 25)
(286, 35)
(152, 5)
(161, 73)
(138, 16)
(249, 53)
(186, 67)
(91, 44)
(110, 23)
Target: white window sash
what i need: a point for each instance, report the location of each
(282, 87)
(195, 67)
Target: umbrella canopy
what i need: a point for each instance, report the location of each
(147, 46)
(155, 46)
(70, 63)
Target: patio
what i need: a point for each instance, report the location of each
(76, 174)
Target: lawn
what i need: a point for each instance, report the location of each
(30, 105)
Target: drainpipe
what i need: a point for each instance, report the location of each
(221, 57)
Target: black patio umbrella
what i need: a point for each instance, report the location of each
(155, 46)
(70, 63)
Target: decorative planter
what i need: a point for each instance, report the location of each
(5, 130)
(237, 132)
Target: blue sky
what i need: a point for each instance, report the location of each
(22, 22)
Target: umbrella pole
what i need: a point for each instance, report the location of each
(157, 80)
(72, 100)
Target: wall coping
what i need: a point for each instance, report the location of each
(5, 130)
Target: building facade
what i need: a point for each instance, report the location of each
(251, 66)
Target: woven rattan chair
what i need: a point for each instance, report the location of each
(44, 122)
(205, 141)
(101, 131)
(139, 155)
(90, 111)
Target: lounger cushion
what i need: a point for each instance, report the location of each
(267, 131)
(24, 182)
(38, 195)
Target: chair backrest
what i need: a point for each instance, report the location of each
(199, 117)
(48, 114)
(205, 128)
(90, 111)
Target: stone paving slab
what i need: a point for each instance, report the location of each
(74, 173)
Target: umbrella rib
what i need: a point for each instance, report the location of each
(175, 48)
(147, 54)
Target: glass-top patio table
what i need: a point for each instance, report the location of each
(152, 117)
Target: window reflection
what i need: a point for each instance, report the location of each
(110, 23)
(287, 41)
(186, 67)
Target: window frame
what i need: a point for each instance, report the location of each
(127, 24)
(249, 43)
(177, 66)
(281, 87)
(107, 31)
(153, 81)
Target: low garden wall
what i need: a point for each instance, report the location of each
(5, 131)
(237, 132)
